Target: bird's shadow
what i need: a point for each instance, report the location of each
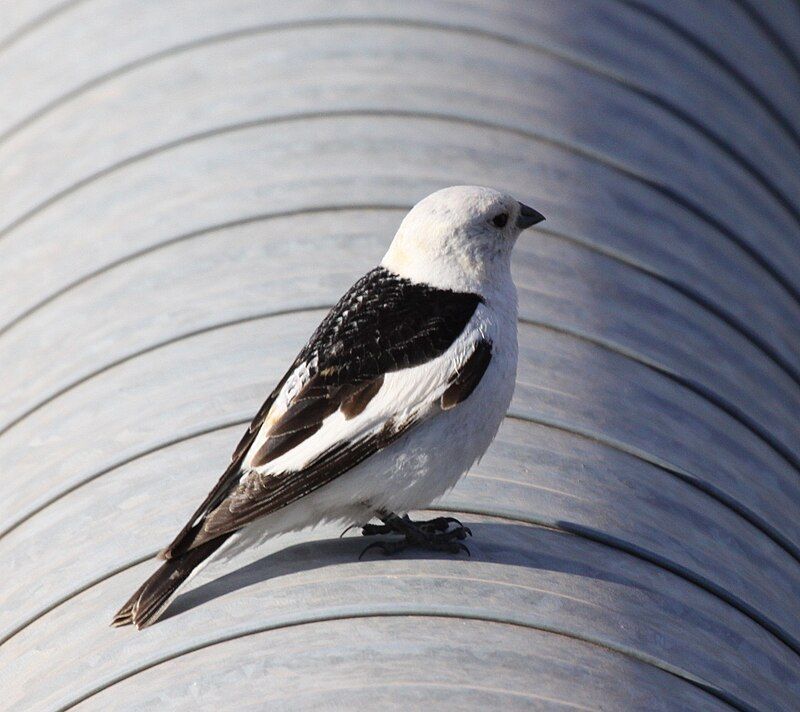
(519, 545)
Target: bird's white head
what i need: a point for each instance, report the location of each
(460, 238)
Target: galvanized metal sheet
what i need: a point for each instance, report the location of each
(183, 198)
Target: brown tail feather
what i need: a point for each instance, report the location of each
(152, 597)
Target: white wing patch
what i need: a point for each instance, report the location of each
(407, 393)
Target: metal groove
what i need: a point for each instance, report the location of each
(42, 612)
(442, 686)
(153, 555)
(707, 394)
(715, 58)
(699, 212)
(121, 463)
(459, 614)
(393, 611)
(674, 471)
(638, 552)
(266, 28)
(678, 587)
(238, 222)
(668, 193)
(731, 321)
(678, 113)
(154, 347)
(442, 612)
(582, 65)
(691, 480)
(685, 290)
(241, 320)
(37, 22)
(722, 498)
(566, 527)
(770, 33)
(753, 614)
(728, 148)
(569, 528)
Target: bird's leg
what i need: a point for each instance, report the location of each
(434, 534)
(370, 529)
(439, 524)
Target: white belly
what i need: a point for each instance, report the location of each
(429, 460)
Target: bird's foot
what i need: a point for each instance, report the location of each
(434, 535)
(431, 526)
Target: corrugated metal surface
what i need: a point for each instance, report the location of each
(186, 186)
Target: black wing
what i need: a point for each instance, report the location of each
(257, 496)
(467, 378)
(384, 323)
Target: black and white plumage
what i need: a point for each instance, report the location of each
(398, 392)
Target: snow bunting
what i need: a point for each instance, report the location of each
(398, 392)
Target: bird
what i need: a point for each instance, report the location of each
(398, 392)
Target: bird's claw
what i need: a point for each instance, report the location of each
(435, 535)
(352, 526)
(462, 547)
(431, 526)
(440, 524)
(375, 529)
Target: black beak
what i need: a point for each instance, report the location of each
(528, 217)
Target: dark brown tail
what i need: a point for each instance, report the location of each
(153, 596)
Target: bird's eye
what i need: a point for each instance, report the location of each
(500, 220)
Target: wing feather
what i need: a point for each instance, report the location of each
(364, 378)
(182, 542)
(258, 495)
(467, 378)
